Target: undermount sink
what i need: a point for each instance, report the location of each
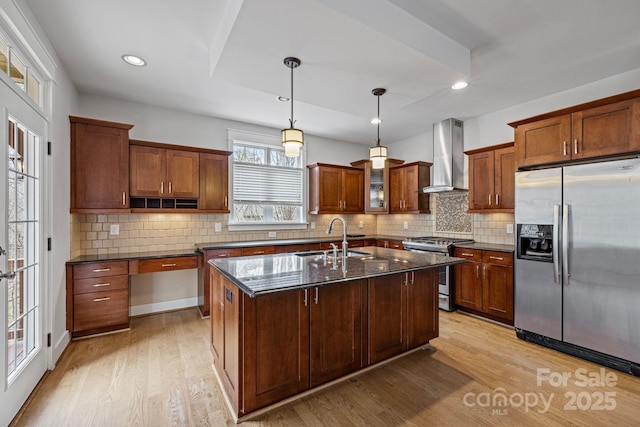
(350, 253)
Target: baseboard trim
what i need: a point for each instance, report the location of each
(158, 307)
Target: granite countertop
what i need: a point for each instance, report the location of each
(265, 274)
(332, 238)
(487, 246)
(133, 256)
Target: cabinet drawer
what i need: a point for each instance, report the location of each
(258, 250)
(100, 309)
(499, 258)
(222, 253)
(167, 264)
(100, 269)
(98, 284)
(470, 254)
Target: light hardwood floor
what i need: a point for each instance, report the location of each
(159, 373)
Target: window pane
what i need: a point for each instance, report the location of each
(4, 57)
(248, 213)
(18, 70)
(33, 87)
(245, 154)
(287, 213)
(279, 159)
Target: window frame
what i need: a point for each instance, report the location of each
(270, 143)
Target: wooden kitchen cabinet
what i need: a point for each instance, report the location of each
(484, 285)
(492, 179)
(606, 127)
(376, 185)
(335, 189)
(214, 182)
(98, 297)
(204, 276)
(397, 322)
(406, 183)
(160, 172)
(99, 166)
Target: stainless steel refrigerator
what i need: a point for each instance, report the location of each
(577, 268)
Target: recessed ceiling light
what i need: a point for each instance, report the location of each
(376, 120)
(134, 60)
(283, 99)
(459, 85)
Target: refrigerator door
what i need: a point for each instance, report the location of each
(537, 300)
(602, 292)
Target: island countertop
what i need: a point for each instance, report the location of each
(266, 274)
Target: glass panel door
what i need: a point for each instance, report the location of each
(23, 307)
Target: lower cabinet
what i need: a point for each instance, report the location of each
(98, 297)
(484, 285)
(272, 347)
(398, 320)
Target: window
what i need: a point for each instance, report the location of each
(20, 72)
(268, 187)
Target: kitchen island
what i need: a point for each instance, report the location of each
(284, 324)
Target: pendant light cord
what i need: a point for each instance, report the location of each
(291, 119)
(378, 141)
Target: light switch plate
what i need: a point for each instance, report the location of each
(272, 234)
(217, 227)
(509, 228)
(361, 224)
(313, 225)
(114, 230)
(406, 225)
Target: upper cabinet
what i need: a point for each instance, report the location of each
(607, 127)
(492, 179)
(160, 172)
(99, 166)
(335, 189)
(376, 185)
(112, 174)
(406, 183)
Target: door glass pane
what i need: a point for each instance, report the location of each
(23, 245)
(4, 57)
(18, 70)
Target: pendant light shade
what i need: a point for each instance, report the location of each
(292, 139)
(378, 153)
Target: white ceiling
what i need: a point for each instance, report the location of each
(224, 58)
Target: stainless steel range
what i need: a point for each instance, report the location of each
(442, 246)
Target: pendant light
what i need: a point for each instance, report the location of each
(378, 153)
(292, 139)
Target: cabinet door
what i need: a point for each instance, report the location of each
(396, 190)
(498, 291)
(182, 174)
(353, 191)
(610, 129)
(214, 182)
(148, 165)
(276, 348)
(544, 141)
(217, 316)
(411, 190)
(335, 331)
(468, 285)
(99, 167)
(481, 180)
(376, 194)
(422, 301)
(505, 169)
(330, 189)
(387, 317)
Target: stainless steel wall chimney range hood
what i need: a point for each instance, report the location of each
(448, 157)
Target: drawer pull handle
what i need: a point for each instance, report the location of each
(258, 252)
(99, 285)
(169, 265)
(101, 299)
(466, 254)
(497, 257)
(101, 270)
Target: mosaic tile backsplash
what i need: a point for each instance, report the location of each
(451, 213)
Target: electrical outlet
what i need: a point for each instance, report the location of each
(114, 230)
(313, 225)
(217, 227)
(509, 228)
(406, 225)
(361, 224)
(272, 234)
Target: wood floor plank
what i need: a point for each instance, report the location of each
(160, 373)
